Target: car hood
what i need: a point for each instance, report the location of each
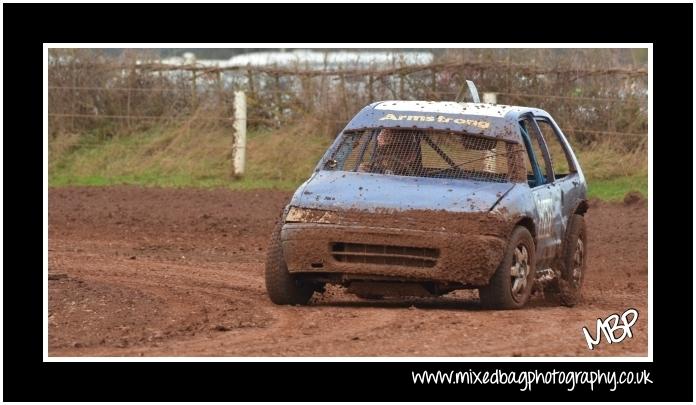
(339, 190)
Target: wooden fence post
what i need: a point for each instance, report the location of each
(250, 78)
(279, 99)
(344, 96)
(240, 125)
(194, 90)
(220, 87)
(401, 85)
(433, 84)
(130, 91)
(73, 102)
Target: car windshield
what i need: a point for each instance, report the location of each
(428, 153)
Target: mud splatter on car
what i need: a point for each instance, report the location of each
(434, 197)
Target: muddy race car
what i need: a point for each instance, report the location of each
(420, 198)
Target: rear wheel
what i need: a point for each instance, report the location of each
(573, 264)
(511, 284)
(282, 287)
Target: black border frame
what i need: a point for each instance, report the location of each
(27, 27)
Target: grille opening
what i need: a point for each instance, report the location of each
(384, 254)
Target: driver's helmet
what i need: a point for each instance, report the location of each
(386, 137)
(404, 147)
(390, 139)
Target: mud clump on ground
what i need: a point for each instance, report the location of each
(633, 197)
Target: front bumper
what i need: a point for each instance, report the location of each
(419, 255)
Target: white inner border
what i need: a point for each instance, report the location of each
(46, 358)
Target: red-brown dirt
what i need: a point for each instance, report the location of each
(179, 272)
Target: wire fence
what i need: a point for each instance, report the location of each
(87, 92)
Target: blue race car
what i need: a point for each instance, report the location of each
(420, 198)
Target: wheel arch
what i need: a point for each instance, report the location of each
(581, 208)
(528, 223)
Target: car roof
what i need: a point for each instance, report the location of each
(489, 120)
(447, 107)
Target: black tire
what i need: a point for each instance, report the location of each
(282, 287)
(573, 262)
(502, 292)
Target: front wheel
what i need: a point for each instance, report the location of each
(282, 287)
(511, 284)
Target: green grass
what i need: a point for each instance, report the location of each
(181, 157)
(610, 174)
(280, 159)
(616, 188)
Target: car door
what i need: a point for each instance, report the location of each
(545, 193)
(567, 174)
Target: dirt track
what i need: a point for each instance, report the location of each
(165, 272)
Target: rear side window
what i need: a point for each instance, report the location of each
(429, 153)
(560, 161)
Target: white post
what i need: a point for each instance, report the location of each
(240, 124)
(490, 98)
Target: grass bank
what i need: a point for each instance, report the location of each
(185, 157)
(201, 157)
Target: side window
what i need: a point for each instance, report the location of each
(560, 161)
(349, 152)
(535, 154)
